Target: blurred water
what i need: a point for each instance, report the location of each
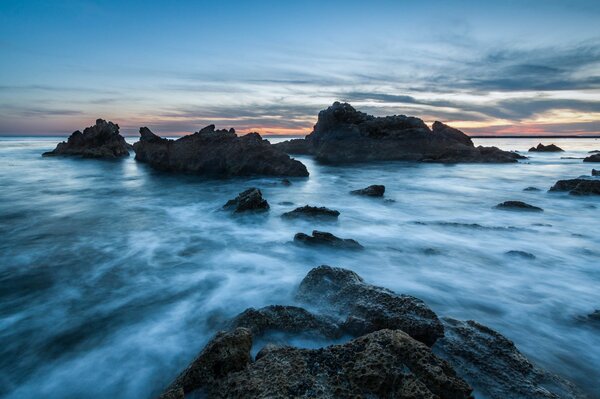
(113, 276)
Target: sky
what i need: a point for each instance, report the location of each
(486, 67)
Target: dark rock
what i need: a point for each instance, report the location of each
(595, 172)
(371, 191)
(327, 239)
(431, 251)
(286, 182)
(546, 148)
(531, 189)
(368, 308)
(312, 212)
(248, 200)
(594, 316)
(99, 141)
(578, 186)
(594, 152)
(592, 158)
(518, 206)
(493, 365)
(219, 153)
(520, 254)
(343, 134)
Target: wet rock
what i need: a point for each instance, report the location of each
(592, 158)
(578, 186)
(286, 182)
(594, 316)
(248, 200)
(518, 206)
(493, 365)
(218, 153)
(431, 251)
(99, 141)
(308, 211)
(531, 189)
(546, 148)
(594, 152)
(344, 135)
(595, 172)
(366, 307)
(375, 190)
(327, 239)
(520, 254)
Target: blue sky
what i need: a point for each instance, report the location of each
(504, 67)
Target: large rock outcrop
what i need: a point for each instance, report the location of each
(343, 134)
(217, 153)
(578, 186)
(99, 141)
(546, 148)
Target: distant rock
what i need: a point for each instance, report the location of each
(520, 254)
(99, 141)
(595, 172)
(248, 200)
(308, 211)
(327, 239)
(518, 206)
(594, 316)
(286, 182)
(217, 153)
(546, 148)
(578, 186)
(345, 135)
(594, 152)
(371, 191)
(592, 158)
(531, 189)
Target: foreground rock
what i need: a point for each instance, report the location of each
(518, 206)
(592, 158)
(308, 211)
(578, 186)
(99, 141)
(546, 148)
(219, 153)
(327, 239)
(493, 365)
(248, 200)
(371, 191)
(343, 134)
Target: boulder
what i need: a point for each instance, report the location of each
(327, 239)
(344, 135)
(531, 189)
(218, 153)
(546, 148)
(578, 186)
(518, 206)
(371, 191)
(99, 141)
(520, 254)
(595, 172)
(248, 200)
(308, 211)
(592, 158)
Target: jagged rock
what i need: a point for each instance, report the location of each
(327, 239)
(371, 191)
(99, 141)
(248, 200)
(531, 189)
(595, 172)
(312, 212)
(578, 186)
(343, 134)
(546, 148)
(518, 206)
(592, 158)
(520, 254)
(368, 308)
(219, 153)
(493, 365)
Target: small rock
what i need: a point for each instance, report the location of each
(371, 191)
(286, 182)
(248, 200)
(546, 148)
(595, 316)
(520, 254)
(592, 158)
(531, 189)
(312, 212)
(328, 239)
(519, 206)
(432, 251)
(595, 172)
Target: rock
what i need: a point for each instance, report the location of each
(286, 182)
(531, 189)
(578, 186)
(493, 365)
(518, 206)
(248, 200)
(592, 158)
(520, 254)
(219, 153)
(595, 172)
(327, 239)
(344, 135)
(312, 212)
(366, 307)
(99, 141)
(227, 352)
(546, 148)
(371, 191)
(594, 316)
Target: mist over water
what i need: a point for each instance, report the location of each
(113, 276)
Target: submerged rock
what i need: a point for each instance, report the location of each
(312, 212)
(99, 141)
(531, 189)
(343, 134)
(578, 186)
(220, 153)
(546, 148)
(327, 239)
(592, 158)
(248, 200)
(518, 206)
(520, 254)
(375, 190)
(594, 316)
(595, 172)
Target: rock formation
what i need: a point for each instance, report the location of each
(371, 191)
(592, 158)
(308, 211)
(99, 141)
(595, 172)
(546, 148)
(327, 239)
(218, 153)
(248, 200)
(518, 206)
(578, 186)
